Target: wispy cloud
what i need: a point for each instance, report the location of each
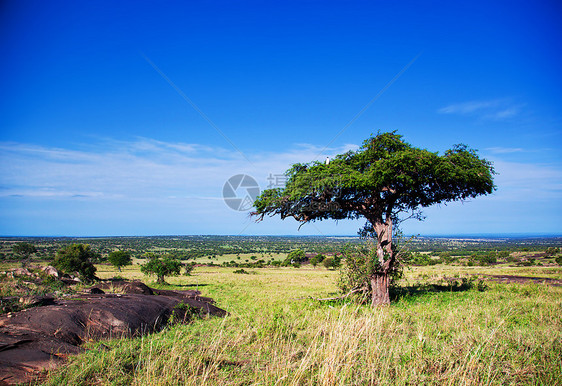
(502, 114)
(149, 186)
(504, 150)
(468, 107)
(527, 182)
(136, 170)
(495, 109)
(157, 171)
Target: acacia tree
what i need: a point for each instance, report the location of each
(120, 259)
(297, 256)
(161, 267)
(384, 181)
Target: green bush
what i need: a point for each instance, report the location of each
(359, 264)
(328, 263)
(503, 254)
(188, 268)
(319, 258)
(24, 251)
(421, 259)
(77, 259)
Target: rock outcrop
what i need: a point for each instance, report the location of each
(40, 338)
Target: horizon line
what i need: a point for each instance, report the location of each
(454, 235)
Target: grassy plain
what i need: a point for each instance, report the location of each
(276, 335)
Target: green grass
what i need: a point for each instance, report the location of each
(275, 335)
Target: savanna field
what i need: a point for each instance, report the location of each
(278, 334)
(234, 193)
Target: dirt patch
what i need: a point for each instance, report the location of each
(40, 338)
(523, 279)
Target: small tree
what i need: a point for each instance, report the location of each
(188, 268)
(24, 251)
(328, 262)
(77, 259)
(296, 256)
(332, 262)
(320, 257)
(162, 267)
(384, 181)
(314, 261)
(120, 259)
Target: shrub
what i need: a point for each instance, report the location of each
(420, 259)
(488, 259)
(359, 265)
(77, 259)
(188, 268)
(319, 258)
(24, 251)
(503, 254)
(446, 257)
(328, 262)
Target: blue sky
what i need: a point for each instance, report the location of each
(127, 118)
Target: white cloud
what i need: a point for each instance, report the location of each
(502, 114)
(495, 109)
(468, 107)
(153, 187)
(140, 169)
(519, 182)
(504, 150)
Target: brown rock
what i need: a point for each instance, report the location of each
(40, 337)
(51, 271)
(21, 272)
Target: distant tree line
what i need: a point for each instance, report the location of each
(436, 250)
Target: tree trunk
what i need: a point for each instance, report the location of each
(379, 287)
(380, 280)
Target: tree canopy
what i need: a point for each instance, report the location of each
(385, 176)
(120, 259)
(382, 180)
(162, 267)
